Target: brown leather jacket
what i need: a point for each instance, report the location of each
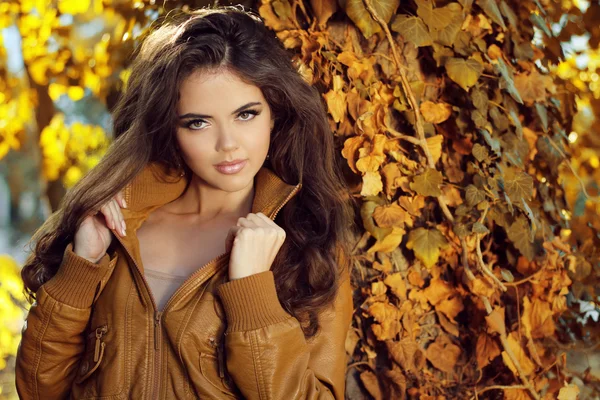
(94, 332)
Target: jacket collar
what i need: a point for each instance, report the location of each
(156, 186)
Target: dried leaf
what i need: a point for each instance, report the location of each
(527, 366)
(436, 113)
(443, 354)
(487, 349)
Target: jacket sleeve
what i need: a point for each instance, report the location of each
(267, 354)
(52, 336)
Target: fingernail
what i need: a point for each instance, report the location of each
(124, 204)
(123, 228)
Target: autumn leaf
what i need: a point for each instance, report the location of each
(427, 183)
(388, 317)
(537, 318)
(358, 13)
(391, 215)
(371, 383)
(434, 144)
(397, 284)
(390, 242)
(527, 366)
(491, 9)
(426, 244)
(464, 72)
(438, 290)
(407, 353)
(568, 392)
(350, 150)
(518, 184)
(336, 100)
(443, 354)
(487, 349)
(436, 113)
(496, 322)
(323, 9)
(412, 29)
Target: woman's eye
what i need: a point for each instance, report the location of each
(195, 124)
(251, 114)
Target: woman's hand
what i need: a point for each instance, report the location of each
(254, 243)
(94, 236)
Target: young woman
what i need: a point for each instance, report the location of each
(207, 254)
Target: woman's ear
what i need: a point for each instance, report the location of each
(272, 123)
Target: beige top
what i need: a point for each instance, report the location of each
(163, 285)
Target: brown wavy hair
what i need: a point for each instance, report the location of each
(320, 217)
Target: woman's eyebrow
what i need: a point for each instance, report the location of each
(240, 109)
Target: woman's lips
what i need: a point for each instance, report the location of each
(231, 168)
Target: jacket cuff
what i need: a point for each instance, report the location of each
(251, 302)
(76, 280)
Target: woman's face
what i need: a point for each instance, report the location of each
(222, 118)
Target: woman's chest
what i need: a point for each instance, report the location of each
(180, 248)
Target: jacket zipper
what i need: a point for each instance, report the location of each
(192, 277)
(100, 331)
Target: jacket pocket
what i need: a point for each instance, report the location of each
(94, 353)
(212, 367)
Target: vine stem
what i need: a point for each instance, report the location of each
(412, 100)
(419, 125)
(593, 199)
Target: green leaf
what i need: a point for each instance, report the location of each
(517, 184)
(493, 143)
(413, 30)
(519, 234)
(491, 9)
(438, 18)
(480, 153)
(426, 243)
(427, 184)
(507, 80)
(478, 227)
(358, 13)
(540, 22)
(473, 195)
(464, 72)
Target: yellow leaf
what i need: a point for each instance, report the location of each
(397, 284)
(372, 184)
(451, 307)
(427, 183)
(537, 318)
(434, 144)
(390, 242)
(526, 364)
(323, 9)
(435, 113)
(357, 12)
(350, 150)
(464, 72)
(496, 322)
(568, 392)
(426, 244)
(391, 215)
(487, 349)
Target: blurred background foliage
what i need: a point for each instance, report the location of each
(63, 64)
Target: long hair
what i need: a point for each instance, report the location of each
(318, 221)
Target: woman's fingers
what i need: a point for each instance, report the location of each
(114, 217)
(119, 221)
(121, 199)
